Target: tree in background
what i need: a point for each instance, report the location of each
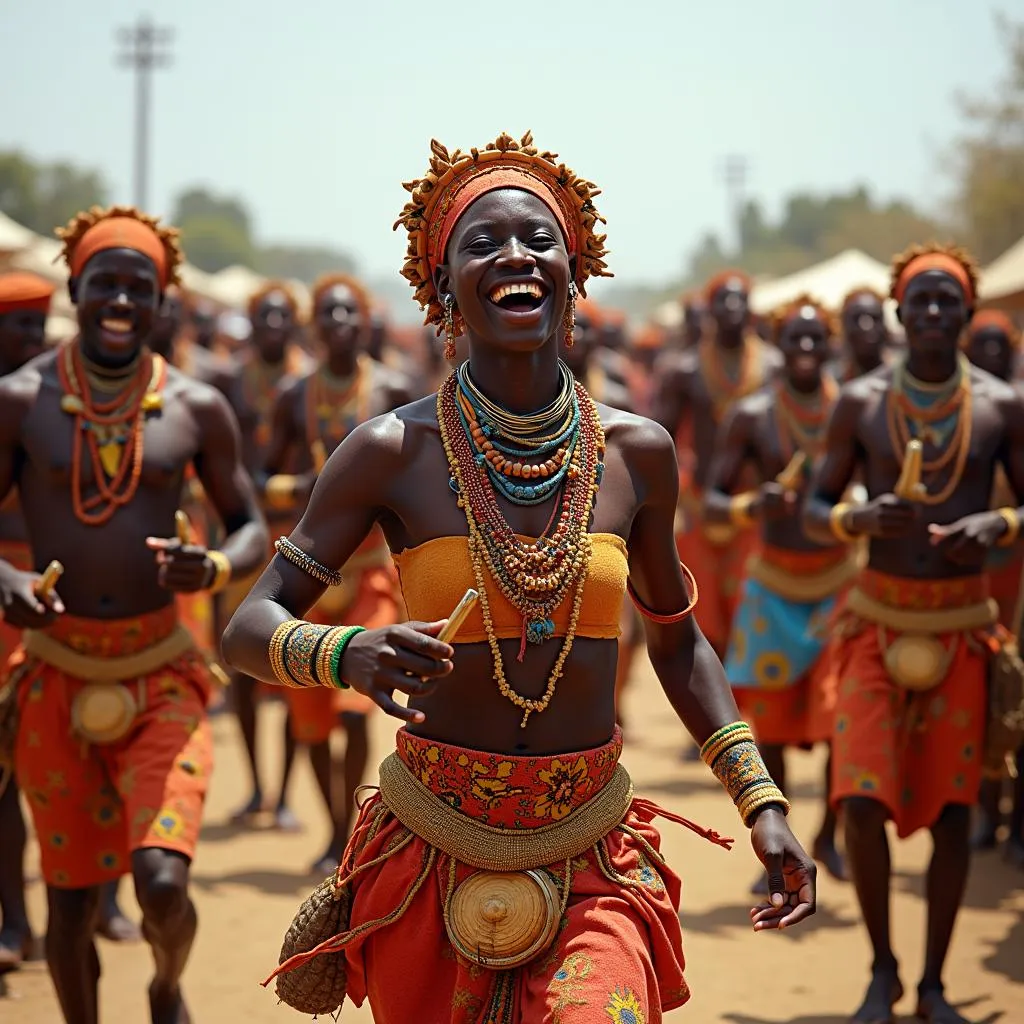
(42, 196)
(989, 157)
(216, 231)
(302, 262)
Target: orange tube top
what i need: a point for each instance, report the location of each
(435, 574)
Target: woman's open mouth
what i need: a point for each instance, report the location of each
(522, 297)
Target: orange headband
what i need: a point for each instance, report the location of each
(934, 261)
(993, 318)
(722, 278)
(23, 291)
(120, 233)
(490, 179)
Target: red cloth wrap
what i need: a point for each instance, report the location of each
(94, 805)
(619, 947)
(912, 752)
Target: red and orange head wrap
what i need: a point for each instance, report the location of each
(20, 291)
(456, 179)
(991, 319)
(359, 292)
(273, 288)
(721, 279)
(950, 259)
(121, 227)
(790, 311)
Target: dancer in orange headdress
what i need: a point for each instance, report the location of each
(24, 303)
(113, 749)
(777, 660)
(695, 393)
(918, 624)
(312, 416)
(480, 806)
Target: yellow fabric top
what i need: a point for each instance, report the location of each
(435, 574)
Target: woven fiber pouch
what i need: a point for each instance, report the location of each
(318, 986)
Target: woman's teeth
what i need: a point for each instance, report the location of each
(503, 291)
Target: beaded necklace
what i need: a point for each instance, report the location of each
(801, 420)
(260, 382)
(534, 576)
(723, 388)
(505, 443)
(939, 414)
(112, 430)
(334, 408)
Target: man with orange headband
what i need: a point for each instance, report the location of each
(865, 337)
(695, 393)
(311, 417)
(24, 303)
(113, 749)
(777, 659)
(918, 627)
(252, 382)
(992, 342)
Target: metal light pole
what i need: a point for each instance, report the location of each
(144, 49)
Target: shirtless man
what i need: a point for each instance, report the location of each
(96, 436)
(252, 383)
(311, 417)
(912, 663)
(865, 337)
(777, 661)
(992, 342)
(696, 390)
(24, 303)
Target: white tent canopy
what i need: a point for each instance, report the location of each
(829, 282)
(1002, 281)
(13, 237)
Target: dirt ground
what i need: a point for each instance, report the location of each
(247, 885)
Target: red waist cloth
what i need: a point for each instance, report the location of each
(619, 948)
(923, 595)
(802, 563)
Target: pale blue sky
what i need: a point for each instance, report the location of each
(315, 111)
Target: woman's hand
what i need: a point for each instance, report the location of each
(182, 568)
(791, 873)
(406, 657)
(20, 604)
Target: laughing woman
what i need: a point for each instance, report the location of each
(505, 872)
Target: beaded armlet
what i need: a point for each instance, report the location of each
(304, 654)
(736, 762)
(309, 565)
(666, 620)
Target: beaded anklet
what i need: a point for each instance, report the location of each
(304, 654)
(733, 756)
(307, 563)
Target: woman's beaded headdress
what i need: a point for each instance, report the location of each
(439, 198)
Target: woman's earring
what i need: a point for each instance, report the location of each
(569, 320)
(453, 326)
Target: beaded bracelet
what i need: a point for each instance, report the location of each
(304, 654)
(736, 762)
(1012, 520)
(307, 563)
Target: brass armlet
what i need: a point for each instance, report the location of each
(1009, 538)
(279, 491)
(838, 523)
(740, 509)
(221, 571)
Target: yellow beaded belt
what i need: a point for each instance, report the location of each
(507, 912)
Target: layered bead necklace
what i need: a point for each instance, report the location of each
(335, 407)
(111, 430)
(801, 419)
(556, 452)
(935, 414)
(722, 387)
